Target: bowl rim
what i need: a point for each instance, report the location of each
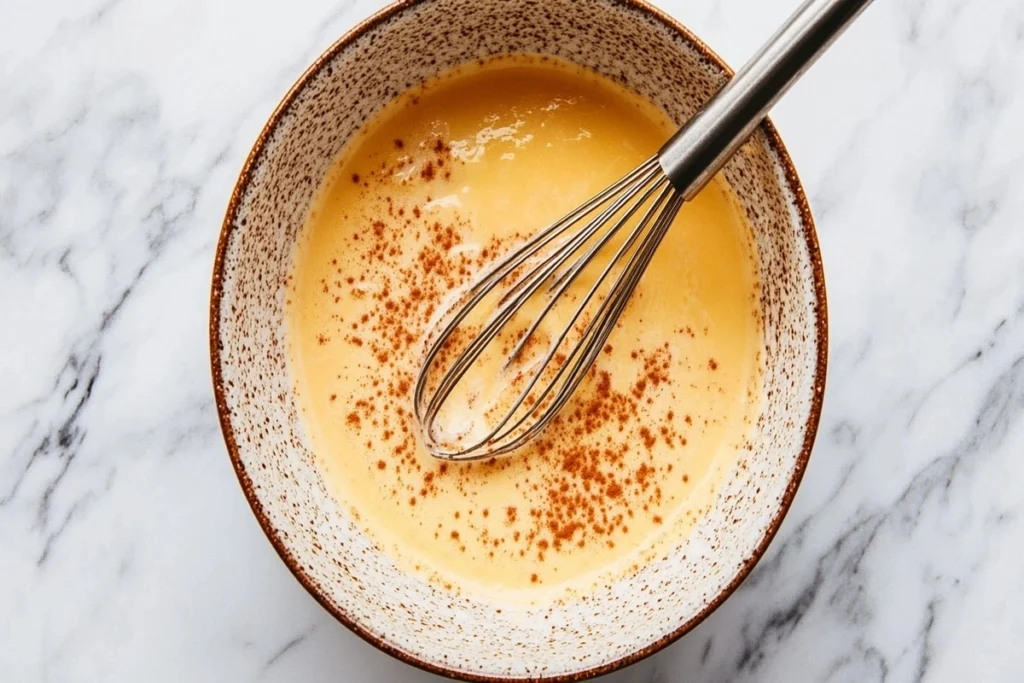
(807, 231)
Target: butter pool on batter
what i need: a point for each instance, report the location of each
(446, 179)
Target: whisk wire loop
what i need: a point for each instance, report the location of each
(609, 211)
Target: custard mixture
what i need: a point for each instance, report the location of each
(446, 179)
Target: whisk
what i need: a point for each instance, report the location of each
(485, 328)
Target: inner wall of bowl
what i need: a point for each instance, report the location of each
(316, 535)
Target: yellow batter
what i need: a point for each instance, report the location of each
(448, 177)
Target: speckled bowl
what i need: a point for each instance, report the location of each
(400, 613)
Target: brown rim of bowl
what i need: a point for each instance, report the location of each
(821, 335)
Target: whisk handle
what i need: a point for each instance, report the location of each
(705, 143)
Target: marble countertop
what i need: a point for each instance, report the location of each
(127, 551)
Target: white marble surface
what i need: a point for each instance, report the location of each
(127, 551)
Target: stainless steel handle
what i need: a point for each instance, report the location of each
(705, 143)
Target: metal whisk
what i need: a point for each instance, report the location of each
(629, 219)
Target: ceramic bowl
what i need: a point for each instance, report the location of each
(436, 629)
